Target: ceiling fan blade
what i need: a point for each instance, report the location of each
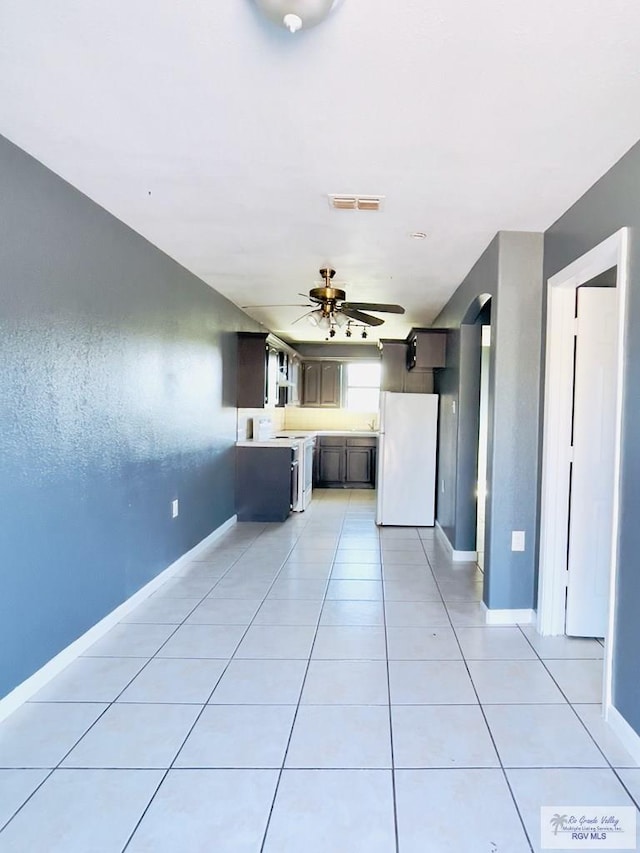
(374, 306)
(280, 305)
(361, 317)
(303, 316)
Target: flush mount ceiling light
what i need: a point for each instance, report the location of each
(297, 14)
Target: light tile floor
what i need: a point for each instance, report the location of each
(317, 686)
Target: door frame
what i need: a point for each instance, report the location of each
(556, 453)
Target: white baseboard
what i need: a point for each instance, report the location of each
(629, 738)
(456, 556)
(508, 617)
(24, 691)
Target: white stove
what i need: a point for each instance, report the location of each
(306, 445)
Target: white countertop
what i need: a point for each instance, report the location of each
(291, 433)
(270, 442)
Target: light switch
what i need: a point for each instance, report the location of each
(517, 540)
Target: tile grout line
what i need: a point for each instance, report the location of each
(295, 714)
(486, 722)
(393, 758)
(166, 772)
(634, 799)
(566, 698)
(425, 767)
(322, 704)
(206, 704)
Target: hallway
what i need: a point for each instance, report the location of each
(318, 686)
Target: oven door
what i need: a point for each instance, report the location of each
(308, 466)
(295, 478)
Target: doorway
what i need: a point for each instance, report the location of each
(483, 443)
(592, 462)
(558, 447)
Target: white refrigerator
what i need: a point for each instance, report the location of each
(406, 481)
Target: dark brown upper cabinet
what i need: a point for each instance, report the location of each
(395, 373)
(264, 365)
(322, 384)
(426, 349)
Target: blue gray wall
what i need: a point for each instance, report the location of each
(117, 387)
(510, 272)
(459, 387)
(612, 203)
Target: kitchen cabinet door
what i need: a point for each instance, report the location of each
(272, 394)
(322, 384)
(427, 349)
(331, 466)
(252, 370)
(295, 377)
(311, 375)
(394, 366)
(331, 384)
(358, 466)
(263, 483)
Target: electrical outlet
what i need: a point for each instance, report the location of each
(517, 540)
(175, 509)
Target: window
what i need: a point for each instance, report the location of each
(363, 386)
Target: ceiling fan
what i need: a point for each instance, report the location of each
(330, 307)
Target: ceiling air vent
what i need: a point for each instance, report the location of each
(343, 202)
(356, 202)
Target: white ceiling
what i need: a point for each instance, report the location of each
(218, 136)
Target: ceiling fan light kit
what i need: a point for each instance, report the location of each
(319, 319)
(333, 309)
(297, 14)
(330, 308)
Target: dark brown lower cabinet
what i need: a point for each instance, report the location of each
(331, 466)
(265, 480)
(359, 465)
(346, 462)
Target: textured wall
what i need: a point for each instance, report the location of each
(117, 386)
(612, 203)
(514, 423)
(510, 271)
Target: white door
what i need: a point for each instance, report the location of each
(592, 477)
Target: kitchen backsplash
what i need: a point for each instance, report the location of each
(304, 417)
(246, 416)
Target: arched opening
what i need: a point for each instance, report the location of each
(474, 426)
(484, 321)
